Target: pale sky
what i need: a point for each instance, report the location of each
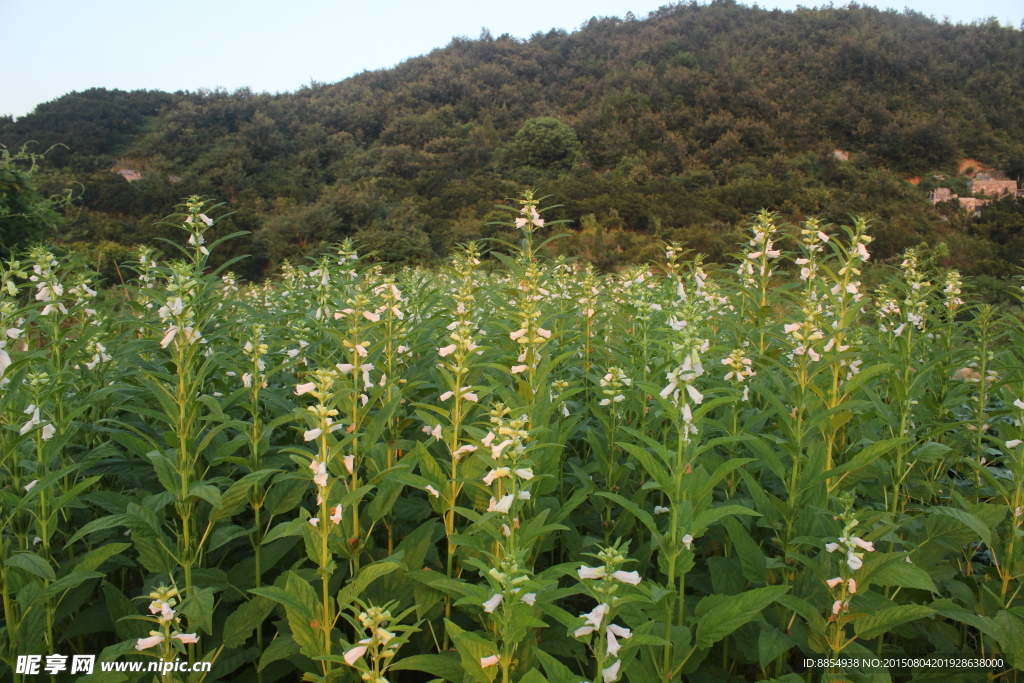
(52, 47)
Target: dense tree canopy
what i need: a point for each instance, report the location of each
(679, 125)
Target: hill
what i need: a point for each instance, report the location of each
(675, 126)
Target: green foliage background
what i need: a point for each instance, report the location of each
(676, 126)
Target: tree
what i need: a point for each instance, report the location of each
(547, 143)
(26, 215)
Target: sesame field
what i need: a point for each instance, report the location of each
(512, 468)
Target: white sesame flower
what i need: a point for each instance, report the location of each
(496, 474)
(591, 572)
(301, 389)
(315, 521)
(658, 509)
(355, 654)
(611, 674)
(502, 505)
(632, 578)
(492, 603)
(688, 541)
(336, 514)
(447, 350)
(832, 583)
(152, 641)
(525, 473)
(432, 491)
(853, 560)
(861, 543)
(489, 661)
(28, 486)
(529, 598)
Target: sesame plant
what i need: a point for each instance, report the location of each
(512, 467)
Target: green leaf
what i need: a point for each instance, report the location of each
(903, 574)
(209, 493)
(446, 666)
(99, 524)
(165, 472)
(555, 670)
(94, 558)
(236, 495)
(280, 647)
(771, 643)
(887, 619)
(720, 615)
(198, 607)
(66, 583)
(968, 520)
(364, 578)
(646, 518)
(120, 610)
(472, 648)
(33, 564)
(300, 622)
(709, 517)
(752, 559)
(285, 598)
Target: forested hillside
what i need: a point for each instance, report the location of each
(675, 126)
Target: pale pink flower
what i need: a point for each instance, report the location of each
(632, 578)
(591, 572)
(432, 491)
(832, 583)
(350, 463)
(496, 474)
(447, 350)
(304, 388)
(502, 505)
(611, 673)
(354, 654)
(492, 603)
(186, 637)
(152, 641)
(489, 661)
